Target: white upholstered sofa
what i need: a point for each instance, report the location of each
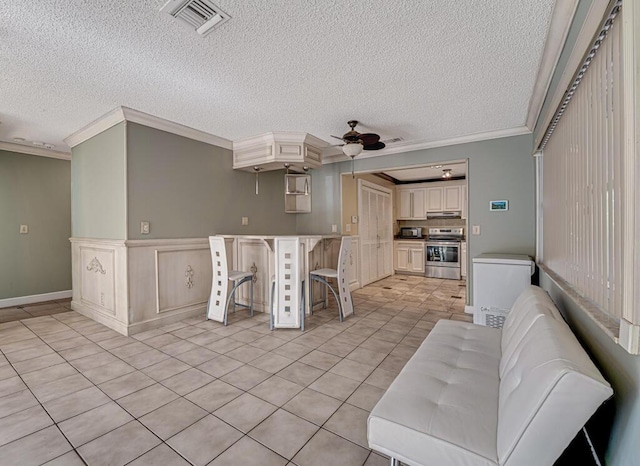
(474, 395)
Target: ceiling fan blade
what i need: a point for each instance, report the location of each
(377, 146)
(369, 138)
(337, 137)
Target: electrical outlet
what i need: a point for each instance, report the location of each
(245, 220)
(24, 229)
(145, 228)
(347, 228)
(334, 228)
(475, 230)
(354, 219)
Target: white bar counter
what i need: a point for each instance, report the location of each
(257, 254)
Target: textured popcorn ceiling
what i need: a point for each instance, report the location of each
(417, 69)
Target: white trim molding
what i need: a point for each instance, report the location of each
(630, 322)
(35, 298)
(561, 19)
(334, 155)
(120, 114)
(31, 150)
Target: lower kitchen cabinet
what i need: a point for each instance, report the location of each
(409, 256)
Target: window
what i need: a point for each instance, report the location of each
(587, 187)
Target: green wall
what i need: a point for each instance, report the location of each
(34, 191)
(498, 169)
(98, 186)
(619, 367)
(186, 188)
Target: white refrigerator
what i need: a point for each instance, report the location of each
(498, 279)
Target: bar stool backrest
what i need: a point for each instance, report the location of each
(220, 281)
(288, 268)
(344, 266)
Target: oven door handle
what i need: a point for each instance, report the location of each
(443, 243)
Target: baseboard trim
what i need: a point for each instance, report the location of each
(100, 317)
(35, 298)
(468, 309)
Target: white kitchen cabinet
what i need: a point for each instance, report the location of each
(452, 198)
(434, 199)
(463, 259)
(444, 199)
(411, 204)
(409, 256)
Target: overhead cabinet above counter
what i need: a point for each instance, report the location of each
(416, 201)
(271, 151)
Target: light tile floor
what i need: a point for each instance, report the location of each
(195, 392)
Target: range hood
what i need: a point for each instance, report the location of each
(448, 215)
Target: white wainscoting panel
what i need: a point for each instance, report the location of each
(99, 278)
(183, 278)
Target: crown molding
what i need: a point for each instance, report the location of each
(583, 42)
(280, 136)
(121, 114)
(334, 155)
(32, 150)
(561, 19)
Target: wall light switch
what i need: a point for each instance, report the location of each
(334, 228)
(354, 219)
(145, 228)
(475, 230)
(24, 229)
(347, 228)
(245, 220)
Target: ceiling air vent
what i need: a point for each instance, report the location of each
(201, 15)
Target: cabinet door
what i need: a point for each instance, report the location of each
(452, 198)
(419, 211)
(434, 199)
(404, 204)
(416, 260)
(402, 258)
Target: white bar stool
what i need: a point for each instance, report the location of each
(218, 305)
(287, 286)
(345, 305)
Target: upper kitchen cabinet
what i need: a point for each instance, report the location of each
(411, 203)
(271, 151)
(446, 198)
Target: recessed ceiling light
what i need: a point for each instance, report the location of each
(38, 143)
(19, 139)
(49, 146)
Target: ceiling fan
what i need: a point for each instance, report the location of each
(368, 141)
(355, 142)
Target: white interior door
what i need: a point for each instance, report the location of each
(376, 239)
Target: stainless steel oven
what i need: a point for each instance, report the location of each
(442, 253)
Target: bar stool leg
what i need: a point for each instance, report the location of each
(251, 303)
(273, 292)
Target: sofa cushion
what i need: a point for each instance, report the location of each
(533, 303)
(549, 389)
(442, 408)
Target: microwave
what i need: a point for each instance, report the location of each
(411, 232)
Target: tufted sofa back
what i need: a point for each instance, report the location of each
(548, 385)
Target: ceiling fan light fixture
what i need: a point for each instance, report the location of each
(352, 149)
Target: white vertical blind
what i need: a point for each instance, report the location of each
(582, 183)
